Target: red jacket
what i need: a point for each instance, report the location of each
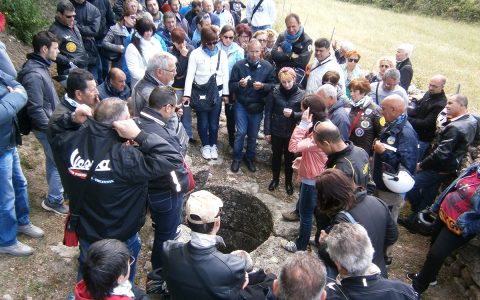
(81, 293)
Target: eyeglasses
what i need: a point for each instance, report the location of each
(212, 43)
(354, 60)
(133, 17)
(132, 260)
(70, 16)
(384, 66)
(228, 37)
(171, 71)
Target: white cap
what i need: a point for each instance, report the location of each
(205, 205)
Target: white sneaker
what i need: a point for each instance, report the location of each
(206, 152)
(214, 152)
(17, 249)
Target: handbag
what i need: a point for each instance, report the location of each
(205, 96)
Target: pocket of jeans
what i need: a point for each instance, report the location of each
(161, 201)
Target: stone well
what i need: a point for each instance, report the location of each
(246, 220)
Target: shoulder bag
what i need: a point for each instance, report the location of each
(205, 96)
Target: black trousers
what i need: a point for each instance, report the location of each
(442, 244)
(230, 115)
(279, 149)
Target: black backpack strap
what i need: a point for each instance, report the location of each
(337, 287)
(349, 216)
(376, 93)
(255, 9)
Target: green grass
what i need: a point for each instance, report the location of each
(441, 46)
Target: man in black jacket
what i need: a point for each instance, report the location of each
(165, 193)
(423, 116)
(42, 101)
(115, 85)
(293, 48)
(197, 270)
(72, 51)
(404, 51)
(250, 81)
(89, 20)
(106, 177)
(350, 247)
(444, 160)
(345, 156)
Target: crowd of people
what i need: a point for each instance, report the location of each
(115, 147)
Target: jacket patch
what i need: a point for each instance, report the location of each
(79, 166)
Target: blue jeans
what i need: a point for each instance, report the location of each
(5, 62)
(422, 148)
(187, 115)
(165, 210)
(14, 208)
(425, 189)
(133, 244)
(307, 204)
(208, 123)
(255, 29)
(247, 124)
(55, 188)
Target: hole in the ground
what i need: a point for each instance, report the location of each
(246, 222)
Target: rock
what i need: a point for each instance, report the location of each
(270, 255)
(7, 297)
(460, 284)
(473, 292)
(466, 276)
(65, 252)
(281, 228)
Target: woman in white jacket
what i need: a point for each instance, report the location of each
(202, 64)
(142, 47)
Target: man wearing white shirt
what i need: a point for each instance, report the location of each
(261, 14)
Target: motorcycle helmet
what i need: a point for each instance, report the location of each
(398, 182)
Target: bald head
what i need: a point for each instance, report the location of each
(393, 106)
(327, 137)
(436, 84)
(117, 78)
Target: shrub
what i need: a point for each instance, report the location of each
(23, 17)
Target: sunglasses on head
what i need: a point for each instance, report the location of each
(354, 60)
(212, 43)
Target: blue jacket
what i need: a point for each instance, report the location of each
(339, 116)
(247, 96)
(10, 105)
(469, 221)
(403, 137)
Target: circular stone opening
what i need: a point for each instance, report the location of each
(246, 221)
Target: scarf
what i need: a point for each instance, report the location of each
(210, 52)
(399, 120)
(360, 103)
(123, 289)
(289, 92)
(290, 39)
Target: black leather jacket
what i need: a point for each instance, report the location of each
(353, 161)
(201, 273)
(424, 116)
(451, 145)
(406, 73)
(302, 47)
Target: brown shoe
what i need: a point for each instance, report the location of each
(291, 216)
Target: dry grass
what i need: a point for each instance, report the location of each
(441, 46)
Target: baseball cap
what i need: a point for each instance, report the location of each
(205, 205)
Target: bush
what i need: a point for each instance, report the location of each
(460, 10)
(23, 17)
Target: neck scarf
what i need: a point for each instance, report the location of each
(399, 120)
(290, 39)
(360, 103)
(210, 52)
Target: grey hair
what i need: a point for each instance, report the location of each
(254, 42)
(460, 99)
(246, 256)
(392, 74)
(329, 90)
(159, 61)
(110, 110)
(408, 48)
(347, 46)
(303, 277)
(349, 246)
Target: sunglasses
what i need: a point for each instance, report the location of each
(262, 41)
(212, 43)
(354, 60)
(133, 17)
(228, 37)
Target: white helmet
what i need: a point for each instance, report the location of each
(400, 182)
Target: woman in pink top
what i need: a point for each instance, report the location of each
(311, 165)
